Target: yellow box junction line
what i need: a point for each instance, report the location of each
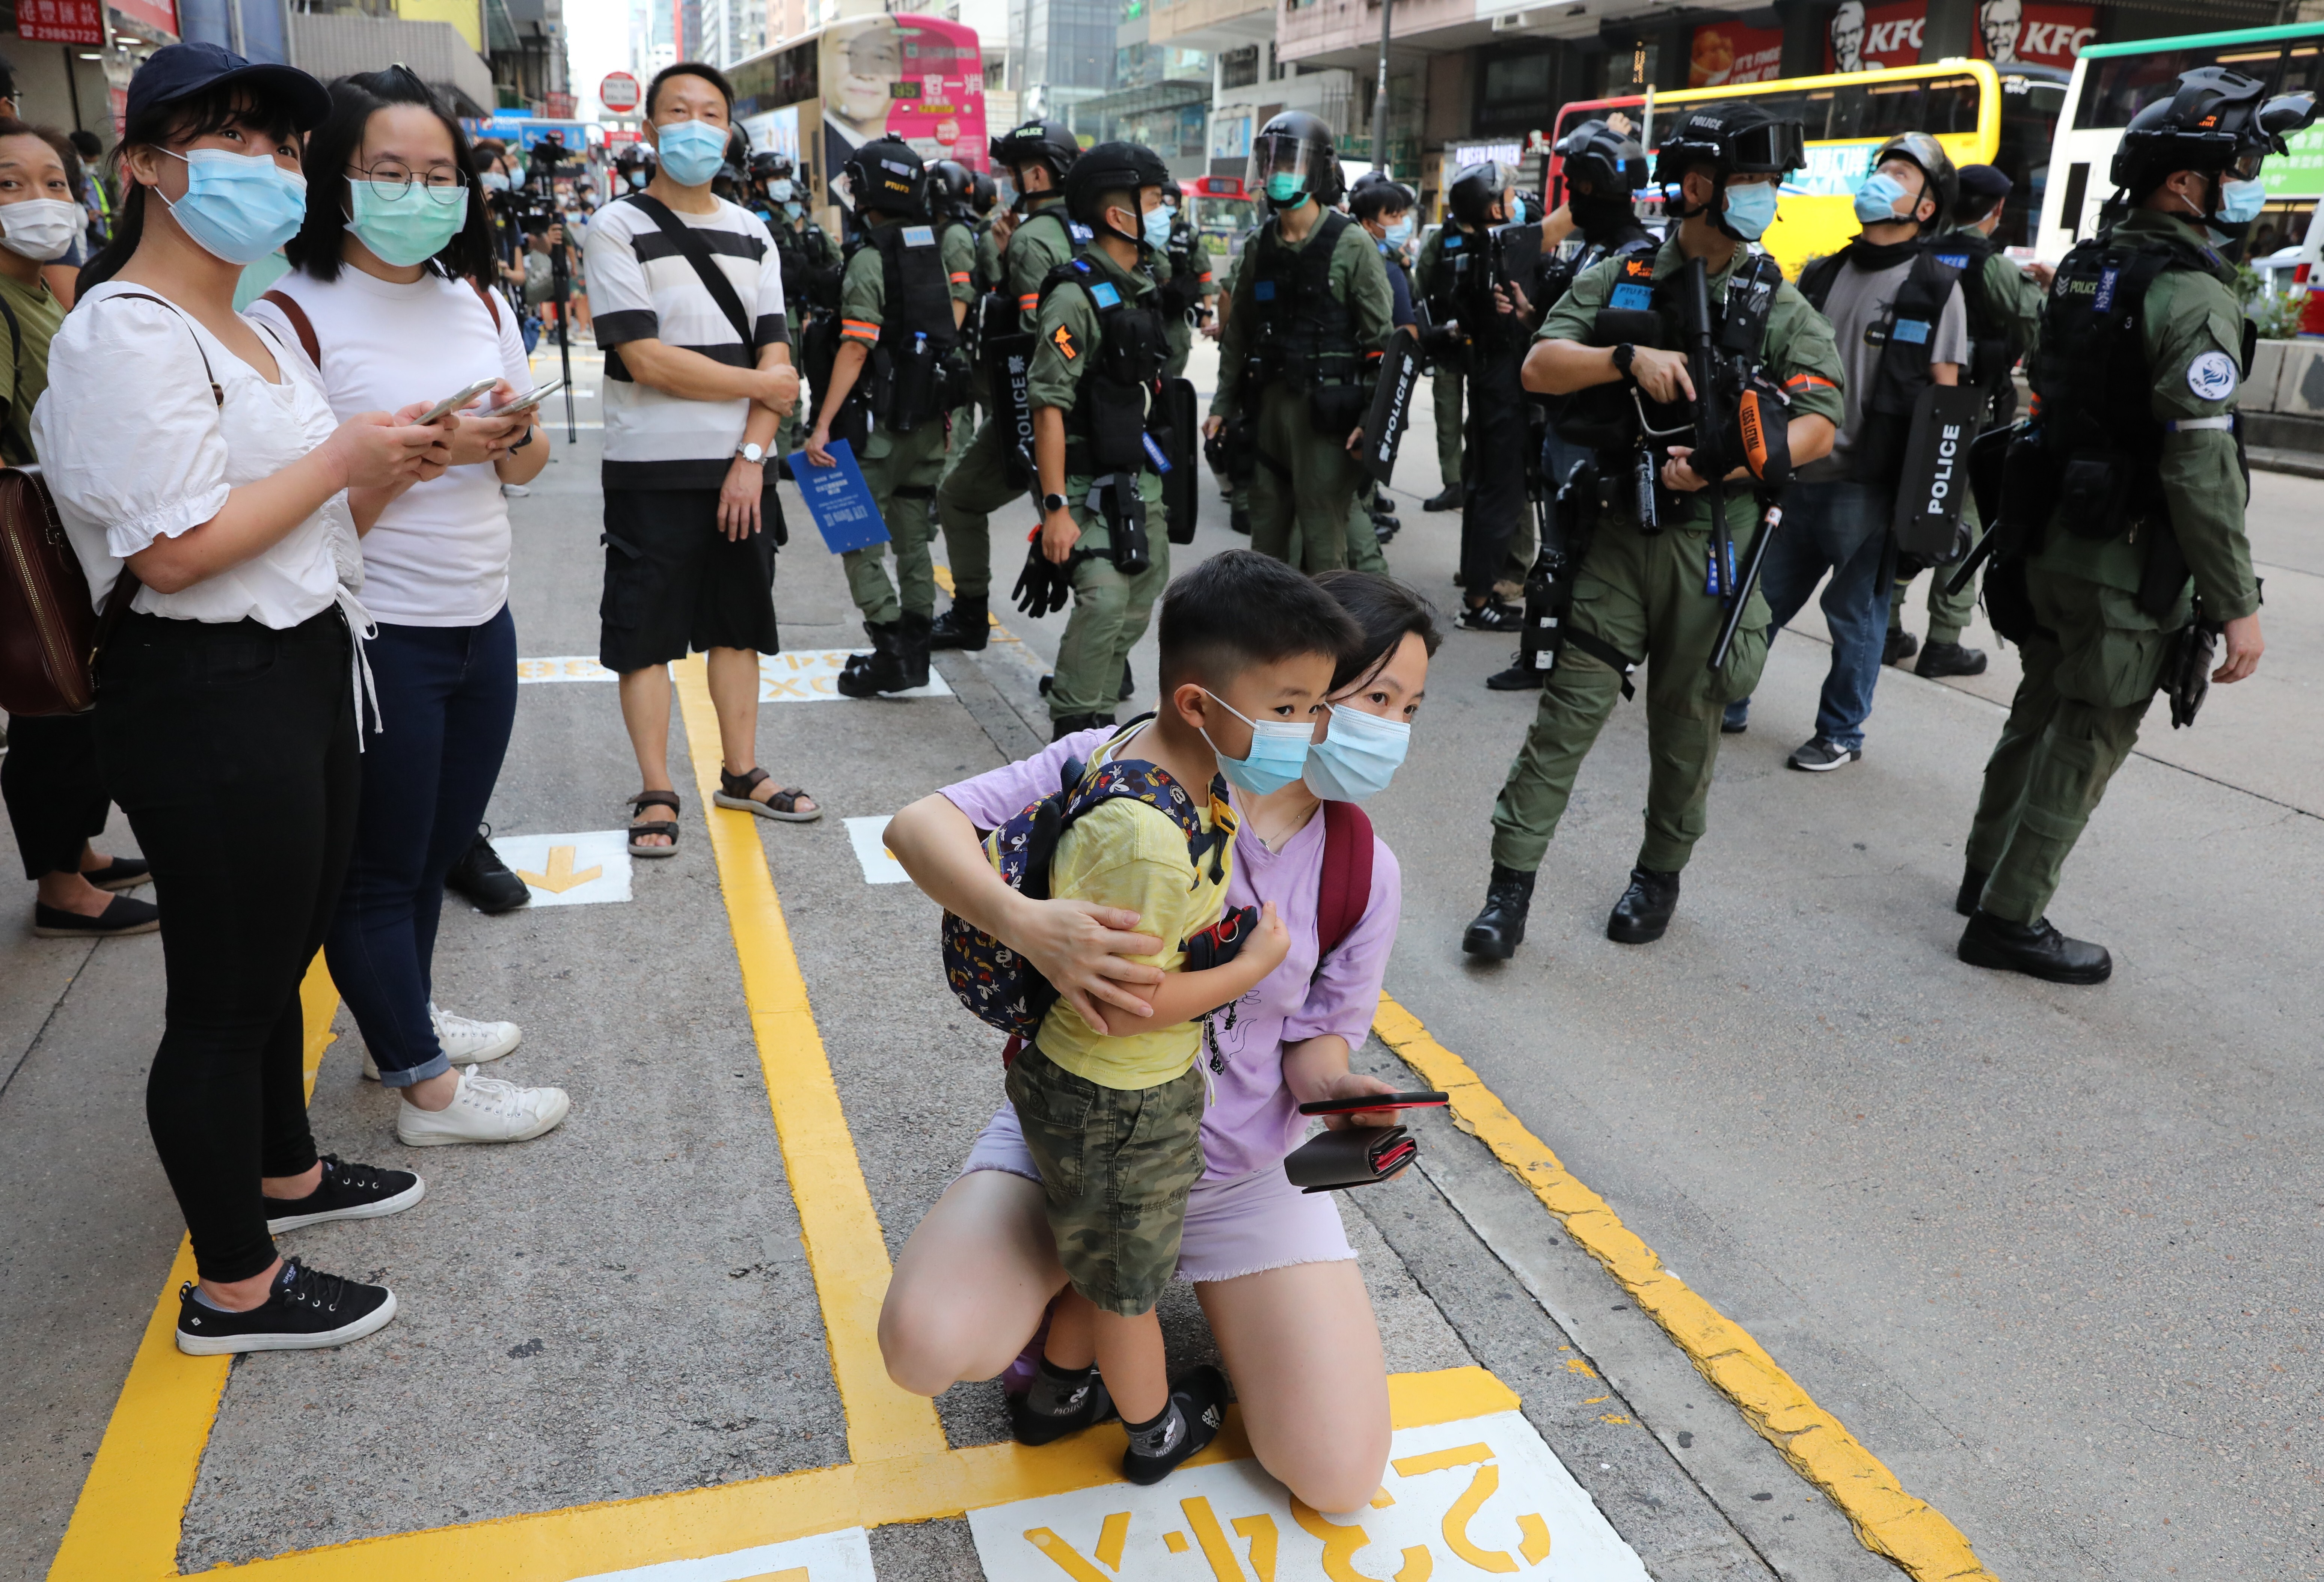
(1890, 1521)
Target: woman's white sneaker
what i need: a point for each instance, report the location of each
(463, 1040)
(485, 1109)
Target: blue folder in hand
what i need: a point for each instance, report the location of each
(839, 500)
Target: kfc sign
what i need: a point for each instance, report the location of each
(1864, 38)
(1727, 51)
(2011, 33)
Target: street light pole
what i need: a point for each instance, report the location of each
(1380, 99)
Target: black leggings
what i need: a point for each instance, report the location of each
(232, 749)
(56, 800)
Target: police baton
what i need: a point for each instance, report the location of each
(1750, 579)
(1710, 433)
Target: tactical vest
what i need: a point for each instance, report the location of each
(1108, 428)
(1306, 336)
(1182, 291)
(1076, 236)
(1558, 274)
(912, 379)
(2099, 436)
(1906, 333)
(1995, 341)
(1645, 312)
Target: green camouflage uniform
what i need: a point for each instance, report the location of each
(1318, 478)
(978, 484)
(2092, 670)
(1645, 594)
(1110, 610)
(1446, 391)
(901, 470)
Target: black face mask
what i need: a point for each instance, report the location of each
(1593, 213)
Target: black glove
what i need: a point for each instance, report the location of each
(1043, 587)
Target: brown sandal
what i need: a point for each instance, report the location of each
(664, 826)
(734, 791)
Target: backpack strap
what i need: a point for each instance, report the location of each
(491, 299)
(301, 324)
(15, 364)
(1346, 886)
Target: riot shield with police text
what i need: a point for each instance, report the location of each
(1182, 484)
(1935, 481)
(1391, 409)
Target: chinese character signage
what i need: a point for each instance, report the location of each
(1727, 51)
(61, 22)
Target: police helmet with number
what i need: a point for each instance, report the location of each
(1475, 189)
(886, 177)
(1927, 155)
(1110, 168)
(2218, 122)
(1612, 163)
(1038, 143)
(1294, 159)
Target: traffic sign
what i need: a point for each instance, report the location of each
(618, 93)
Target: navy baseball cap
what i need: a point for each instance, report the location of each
(1984, 182)
(176, 72)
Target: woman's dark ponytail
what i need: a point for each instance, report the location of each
(128, 224)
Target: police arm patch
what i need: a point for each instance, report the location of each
(2212, 376)
(1064, 341)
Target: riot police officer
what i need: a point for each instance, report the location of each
(1649, 589)
(951, 205)
(1311, 315)
(1384, 209)
(1182, 266)
(892, 380)
(990, 474)
(2121, 553)
(811, 266)
(1431, 280)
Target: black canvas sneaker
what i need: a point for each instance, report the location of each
(347, 1192)
(1200, 1400)
(305, 1312)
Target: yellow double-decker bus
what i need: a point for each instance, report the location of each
(1983, 116)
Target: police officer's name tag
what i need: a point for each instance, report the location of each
(2212, 376)
(1104, 295)
(1630, 295)
(1079, 232)
(919, 236)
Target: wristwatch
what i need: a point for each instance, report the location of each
(1052, 503)
(529, 432)
(1624, 355)
(756, 454)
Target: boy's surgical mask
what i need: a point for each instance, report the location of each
(1876, 198)
(1358, 755)
(1400, 232)
(1278, 751)
(1751, 209)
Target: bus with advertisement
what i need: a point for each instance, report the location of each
(2113, 82)
(920, 79)
(1983, 115)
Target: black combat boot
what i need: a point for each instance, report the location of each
(1940, 659)
(1644, 910)
(881, 669)
(2037, 950)
(1239, 520)
(1499, 928)
(966, 625)
(1972, 889)
(1901, 645)
(913, 640)
(1446, 499)
(1064, 725)
(1519, 676)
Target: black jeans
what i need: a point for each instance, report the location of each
(56, 798)
(447, 695)
(1494, 500)
(232, 749)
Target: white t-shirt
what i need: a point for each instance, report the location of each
(135, 448)
(439, 553)
(641, 287)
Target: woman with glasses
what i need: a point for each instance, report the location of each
(388, 294)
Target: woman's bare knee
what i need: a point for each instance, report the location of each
(1334, 1478)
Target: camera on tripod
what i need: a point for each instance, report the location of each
(533, 207)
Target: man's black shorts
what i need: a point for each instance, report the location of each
(674, 581)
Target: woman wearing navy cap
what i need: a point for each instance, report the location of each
(190, 453)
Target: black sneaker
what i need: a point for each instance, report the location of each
(122, 915)
(1090, 1404)
(1819, 757)
(1504, 619)
(305, 1312)
(347, 1192)
(1201, 1398)
(485, 880)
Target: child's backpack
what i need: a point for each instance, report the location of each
(998, 985)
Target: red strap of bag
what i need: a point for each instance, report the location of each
(1346, 887)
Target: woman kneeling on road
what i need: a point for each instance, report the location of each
(1272, 1268)
(191, 449)
(386, 298)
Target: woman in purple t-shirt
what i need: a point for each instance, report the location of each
(1271, 1266)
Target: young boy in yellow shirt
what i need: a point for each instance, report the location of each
(1113, 1119)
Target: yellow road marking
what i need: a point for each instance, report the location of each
(1888, 1521)
(560, 876)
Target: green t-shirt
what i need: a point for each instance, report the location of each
(38, 316)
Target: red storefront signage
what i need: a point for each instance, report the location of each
(61, 22)
(1865, 38)
(158, 15)
(1727, 51)
(560, 105)
(2011, 33)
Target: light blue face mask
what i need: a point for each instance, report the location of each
(780, 190)
(793, 210)
(497, 180)
(239, 207)
(692, 151)
(1517, 209)
(1876, 198)
(1285, 187)
(407, 229)
(1750, 210)
(2241, 201)
(1400, 232)
(1358, 755)
(1158, 226)
(1278, 751)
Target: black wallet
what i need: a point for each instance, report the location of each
(1353, 1156)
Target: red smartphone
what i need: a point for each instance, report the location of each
(1364, 1101)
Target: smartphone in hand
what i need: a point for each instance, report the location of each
(453, 403)
(1357, 1103)
(527, 402)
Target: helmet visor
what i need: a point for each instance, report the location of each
(1774, 146)
(2245, 164)
(1284, 163)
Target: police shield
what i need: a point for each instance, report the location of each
(1182, 484)
(1935, 479)
(1391, 409)
(1009, 361)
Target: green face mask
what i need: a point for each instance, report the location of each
(408, 227)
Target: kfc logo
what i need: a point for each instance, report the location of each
(1866, 39)
(2010, 32)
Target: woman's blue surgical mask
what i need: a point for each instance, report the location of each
(1358, 755)
(408, 227)
(1876, 198)
(238, 207)
(1158, 226)
(1285, 187)
(1751, 209)
(2241, 201)
(1400, 232)
(692, 151)
(1278, 751)
(496, 180)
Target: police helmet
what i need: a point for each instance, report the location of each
(1475, 189)
(1175, 194)
(1111, 167)
(886, 175)
(950, 185)
(1928, 156)
(1611, 161)
(1297, 148)
(1738, 138)
(769, 166)
(2217, 121)
(1038, 143)
(982, 193)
